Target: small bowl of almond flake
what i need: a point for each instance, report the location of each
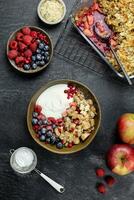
(51, 11)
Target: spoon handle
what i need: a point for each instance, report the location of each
(55, 185)
(121, 65)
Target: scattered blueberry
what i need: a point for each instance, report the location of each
(53, 126)
(34, 65)
(34, 121)
(38, 41)
(42, 138)
(59, 145)
(26, 67)
(38, 51)
(37, 63)
(41, 46)
(49, 134)
(35, 114)
(42, 57)
(43, 131)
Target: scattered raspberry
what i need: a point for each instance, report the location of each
(12, 54)
(19, 36)
(28, 53)
(37, 108)
(33, 46)
(22, 46)
(110, 180)
(13, 44)
(41, 116)
(100, 172)
(52, 119)
(26, 30)
(101, 188)
(19, 60)
(33, 34)
(41, 36)
(27, 39)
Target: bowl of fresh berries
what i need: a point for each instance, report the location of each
(29, 49)
(63, 116)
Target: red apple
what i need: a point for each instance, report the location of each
(126, 128)
(120, 159)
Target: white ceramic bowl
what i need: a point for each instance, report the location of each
(47, 22)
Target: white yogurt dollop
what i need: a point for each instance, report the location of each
(54, 101)
(24, 158)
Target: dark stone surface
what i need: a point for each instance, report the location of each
(75, 171)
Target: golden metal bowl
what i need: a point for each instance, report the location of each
(88, 94)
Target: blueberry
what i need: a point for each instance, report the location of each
(37, 63)
(48, 140)
(34, 121)
(42, 138)
(34, 65)
(45, 122)
(38, 51)
(40, 122)
(59, 145)
(46, 54)
(42, 52)
(53, 126)
(33, 58)
(38, 41)
(38, 56)
(35, 114)
(39, 132)
(49, 134)
(41, 46)
(26, 67)
(46, 48)
(42, 63)
(53, 139)
(43, 131)
(47, 58)
(42, 57)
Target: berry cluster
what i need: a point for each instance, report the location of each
(44, 128)
(29, 49)
(110, 181)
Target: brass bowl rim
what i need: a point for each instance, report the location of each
(38, 93)
(12, 35)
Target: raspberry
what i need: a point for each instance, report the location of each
(19, 36)
(13, 44)
(37, 108)
(12, 54)
(110, 180)
(33, 34)
(41, 36)
(27, 39)
(33, 46)
(100, 172)
(101, 188)
(41, 116)
(28, 53)
(26, 30)
(19, 60)
(22, 46)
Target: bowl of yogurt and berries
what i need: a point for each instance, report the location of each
(63, 116)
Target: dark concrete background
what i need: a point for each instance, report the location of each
(75, 171)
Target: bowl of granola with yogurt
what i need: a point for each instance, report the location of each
(51, 11)
(63, 116)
